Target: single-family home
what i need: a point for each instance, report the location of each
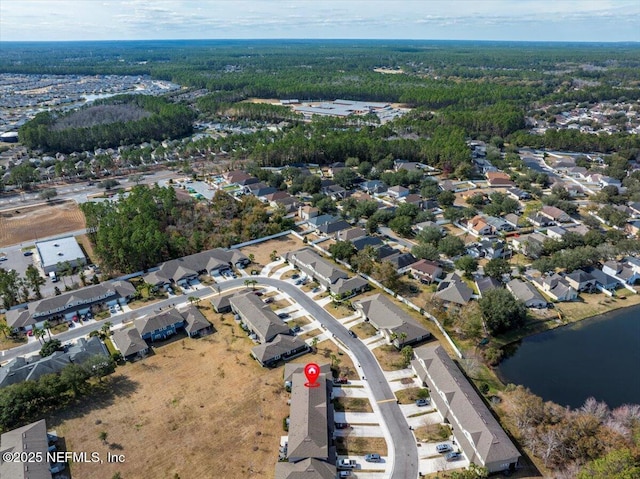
(452, 289)
(475, 428)
(556, 287)
(529, 244)
(426, 271)
(555, 214)
(349, 287)
(498, 179)
(238, 177)
(332, 228)
(397, 326)
(539, 220)
(307, 212)
(413, 199)
(130, 344)
(498, 224)
(398, 192)
(350, 234)
(518, 194)
(373, 187)
(479, 226)
(400, 261)
(581, 280)
(316, 221)
(603, 280)
(556, 232)
(486, 283)
(623, 271)
(526, 293)
(512, 219)
(361, 243)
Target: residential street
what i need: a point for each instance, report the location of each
(403, 453)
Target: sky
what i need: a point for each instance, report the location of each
(513, 20)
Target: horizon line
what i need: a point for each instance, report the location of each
(326, 39)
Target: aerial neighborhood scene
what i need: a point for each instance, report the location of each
(318, 240)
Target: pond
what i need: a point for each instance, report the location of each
(597, 357)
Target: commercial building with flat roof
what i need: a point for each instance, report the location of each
(54, 253)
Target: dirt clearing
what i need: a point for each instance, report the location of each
(32, 222)
(195, 407)
(279, 246)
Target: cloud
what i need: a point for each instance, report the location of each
(612, 20)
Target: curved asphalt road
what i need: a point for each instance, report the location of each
(403, 444)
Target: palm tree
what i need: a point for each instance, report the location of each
(251, 257)
(193, 299)
(106, 328)
(250, 282)
(39, 334)
(314, 343)
(47, 325)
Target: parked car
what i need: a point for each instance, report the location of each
(30, 332)
(283, 315)
(268, 301)
(346, 464)
(27, 253)
(295, 276)
(353, 334)
(342, 425)
(258, 293)
(3, 258)
(345, 474)
(315, 290)
(170, 290)
(299, 282)
(422, 402)
(442, 448)
(373, 458)
(296, 329)
(340, 380)
(453, 456)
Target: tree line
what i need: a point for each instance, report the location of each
(165, 120)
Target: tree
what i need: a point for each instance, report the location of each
(50, 347)
(345, 177)
(48, 194)
(47, 327)
(103, 436)
(74, 377)
(451, 246)
(407, 355)
(497, 267)
(401, 225)
(501, 311)
(274, 255)
(387, 274)
(34, 280)
(137, 178)
(39, 334)
(342, 250)
(251, 257)
(5, 329)
(314, 343)
(467, 264)
(23, 175)
(430, 235)
(446, 198)
(425, 251)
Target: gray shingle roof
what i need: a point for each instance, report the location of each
(383, 314)
(308, 427)
(454, 290)
(306, 469)
(315, 265)
(194, 320)
(162, 320)
(31, 438)
(258, 316)
(490, 441)
(279, 346)
(128, 341)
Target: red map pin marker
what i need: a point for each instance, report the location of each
(312, 372)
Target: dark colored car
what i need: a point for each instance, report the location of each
(258, 293)
(283, 315)
(453, 456)
(342, 425)
(27, 253)
(353, 334)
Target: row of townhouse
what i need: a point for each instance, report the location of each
(476, 430)
(133, 343)
(182, 270)
(277, 342)
(69, 304)
(310, 451)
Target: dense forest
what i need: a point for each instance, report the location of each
(482, 89)
(151, 225)
(112, 122)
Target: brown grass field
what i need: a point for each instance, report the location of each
(262, 251)
(197, 408)
(31, 222)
